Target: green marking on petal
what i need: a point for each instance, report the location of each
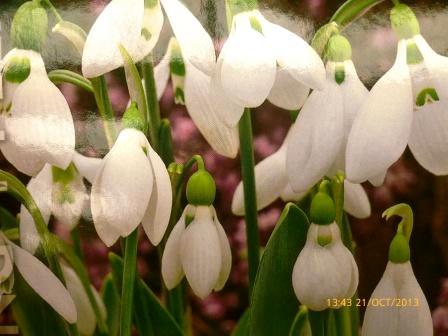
(146, 34)
(179, 97)
(64, 195)
(177, 65)
(17, 69)
(427, 96)
(151, 3)
(413, 54)
(324, 239)
(256, 24)
(339, 74)
(64, 176)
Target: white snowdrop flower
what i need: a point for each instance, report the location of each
(317, 143)
(38, 277)
(131, 186)
(272, 183)
(35, 118)
(56, 192)
(199, 250)
(86, 317)
(268, 62)
(325, 269)
(405, 107)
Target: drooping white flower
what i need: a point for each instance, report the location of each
(272, 183)
(405, 107)
(58, 193)
(199, 250)
(386, 317)
(35, 118)
(132, 186)
(38, 277)
(268, 62)
(86, 317)
(316, 145)
(325, 269)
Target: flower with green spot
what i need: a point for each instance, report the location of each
(407, 106)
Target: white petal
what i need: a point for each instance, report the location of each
(289, 195)
(162, 73)
(44, 283)
(316, 138)
(88, 167)
(287, 92)
(40, 188)
(295, 55)
(356, 202)
(157, 215)
(40, 127)
(378, 180)
(200, 252)
(204, 109)
(121, 22)
(247, 60)
(122, 188)
(86, 318)
(381, 131)
(226, 263)
(196, 45)
(270, 179)
(172, 271)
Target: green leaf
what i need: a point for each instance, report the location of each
(150, 316)
(111, 300)
(166, 142)
(274, 304)
(242, 328)
(301, 325)
(7, 220)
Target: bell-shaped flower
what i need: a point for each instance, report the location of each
(86, 317)
(325, 269)
(38, 277)
(198, 246)
(272, 183)
(57, 192)
(405, 107)
(35, 119)
(316, 145)
(268, 62)
(131, 186)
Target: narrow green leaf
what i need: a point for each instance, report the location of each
(318, 322)
(301, 325)
(66, 76)
(166, 142)
(111, 300)
(274, 304)
(242, 328)
(7, 220)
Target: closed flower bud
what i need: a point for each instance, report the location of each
(322, 210)
(404, 22)
(201, 188)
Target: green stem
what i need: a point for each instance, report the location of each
(343, 321)
(67, 76)
(52, 9)
(351, 10)
(250, 199)
(127, 292)
(318, 321)
(105, 108)
(76, 240)
(175, 304)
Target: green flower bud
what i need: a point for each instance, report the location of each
(322, 36)
(399, 251)
(17, 69)
(201, 188)
(322, 210)
(132, 118)
(29, 27)
(404, 22)
(338, 49)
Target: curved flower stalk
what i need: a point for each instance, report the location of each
(58, 192)
(272, 183)
(34, 115)
(317, 140)
(131, 186)
(325, 269)
(38, 277)
(413, 317)
(86, 317)
(198, 246)
(268, 62)
(405, 107)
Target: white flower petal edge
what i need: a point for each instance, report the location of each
(196, 45)
(356, 201)
(44, 283)
(39, 128)
(398, 281)
(428, 140)
(40, 188)
(205, 108)
(150, 32)
(226, 263)
(287, 92)
(381, 131)
(316, 138)
(162, 73)
(248, 60)
(88, 167)
(122, 188)
(157, 215)
(201, 254)
(121, 22)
